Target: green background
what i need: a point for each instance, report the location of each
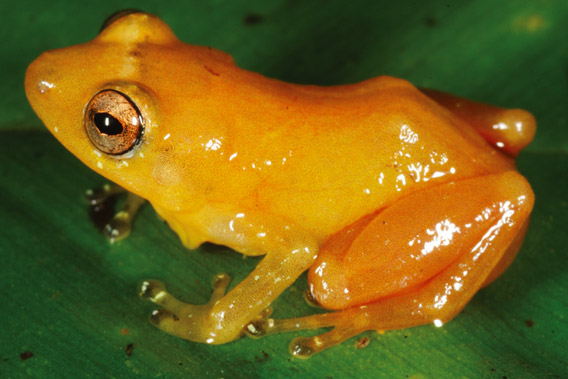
(68, 295)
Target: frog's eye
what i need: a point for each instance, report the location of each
(113, 123)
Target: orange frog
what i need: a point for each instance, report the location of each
(401, 203)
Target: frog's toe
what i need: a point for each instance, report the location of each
(155, 291)
(151, 289)
(305, 347)
(261, 325)
(183, 325)
(121, 224)
(119, 227)
(310, 300)
(159, 316)
(220, 283)
(99, 195)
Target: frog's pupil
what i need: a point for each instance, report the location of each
(107, 124)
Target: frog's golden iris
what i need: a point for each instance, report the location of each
(113, 123)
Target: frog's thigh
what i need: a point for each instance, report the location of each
(487, 251)
(414, 239)
(508, 129)
(464, 230)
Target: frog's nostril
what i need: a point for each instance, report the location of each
(118, 15)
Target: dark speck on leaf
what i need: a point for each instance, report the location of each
(253, 19)
(431, 22)
(26, 355)
(262, 358)
(129, 349)
(529, 323)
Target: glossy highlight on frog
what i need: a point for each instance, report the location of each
(400, 203)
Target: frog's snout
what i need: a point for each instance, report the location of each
(35, 83)
(39, 84)
(48, 92)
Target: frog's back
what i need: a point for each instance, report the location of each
(338, 153)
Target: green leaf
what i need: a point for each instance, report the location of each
(70, 298)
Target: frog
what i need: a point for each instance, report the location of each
(401, 203)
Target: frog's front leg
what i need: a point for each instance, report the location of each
(418, 261)
(289, 252)
(101, 200)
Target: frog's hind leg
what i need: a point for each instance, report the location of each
(115, 226)
(488, 228)
(509, 130)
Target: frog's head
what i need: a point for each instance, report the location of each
(127, 105)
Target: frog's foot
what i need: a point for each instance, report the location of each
(193, 322)
(346, 324)
(509, 130)
(115, 226)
